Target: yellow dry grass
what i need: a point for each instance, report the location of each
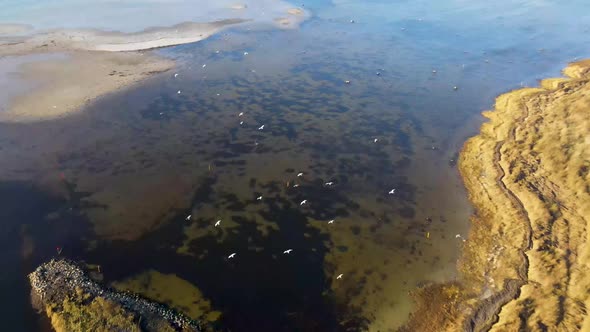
(79, 313)
(525, 265)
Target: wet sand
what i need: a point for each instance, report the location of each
(11, 29)
(64, 85)
(95, 64)
(96, 40)
(526, 262)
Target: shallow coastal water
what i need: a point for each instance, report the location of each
(132, 15)
(113, 185)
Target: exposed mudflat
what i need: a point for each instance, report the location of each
(89, 71)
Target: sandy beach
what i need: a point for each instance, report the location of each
(96, 62)
(525, 264)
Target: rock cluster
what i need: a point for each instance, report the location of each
(55, 280)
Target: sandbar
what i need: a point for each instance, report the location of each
(14, 28)
(66, 83)
(97, 61)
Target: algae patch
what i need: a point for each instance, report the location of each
(173, 291)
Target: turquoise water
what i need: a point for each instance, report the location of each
(114, 184)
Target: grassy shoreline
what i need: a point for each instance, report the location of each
(527, 175)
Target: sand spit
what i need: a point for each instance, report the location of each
(95, 40)
(66, 86)
(75, 302)
(526, 262)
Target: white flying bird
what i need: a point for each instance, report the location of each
(299, 174)
(218, 223)
(392, 191)
(288, 251)
(259, 198)
(339, 276)
(176, 75)
(178, 92)
(457, 236)
(303, 202)
(375, 140)
(231, 256)
(241, 113)
(261, 127)
(204, 66)
(295, 185)
(331, 221)
(241, 123)
(188, 217)
(329, 183)
(246, 53)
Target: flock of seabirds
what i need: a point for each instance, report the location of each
(300, 174)
(302, 203)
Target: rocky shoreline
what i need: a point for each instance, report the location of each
(58, 280)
